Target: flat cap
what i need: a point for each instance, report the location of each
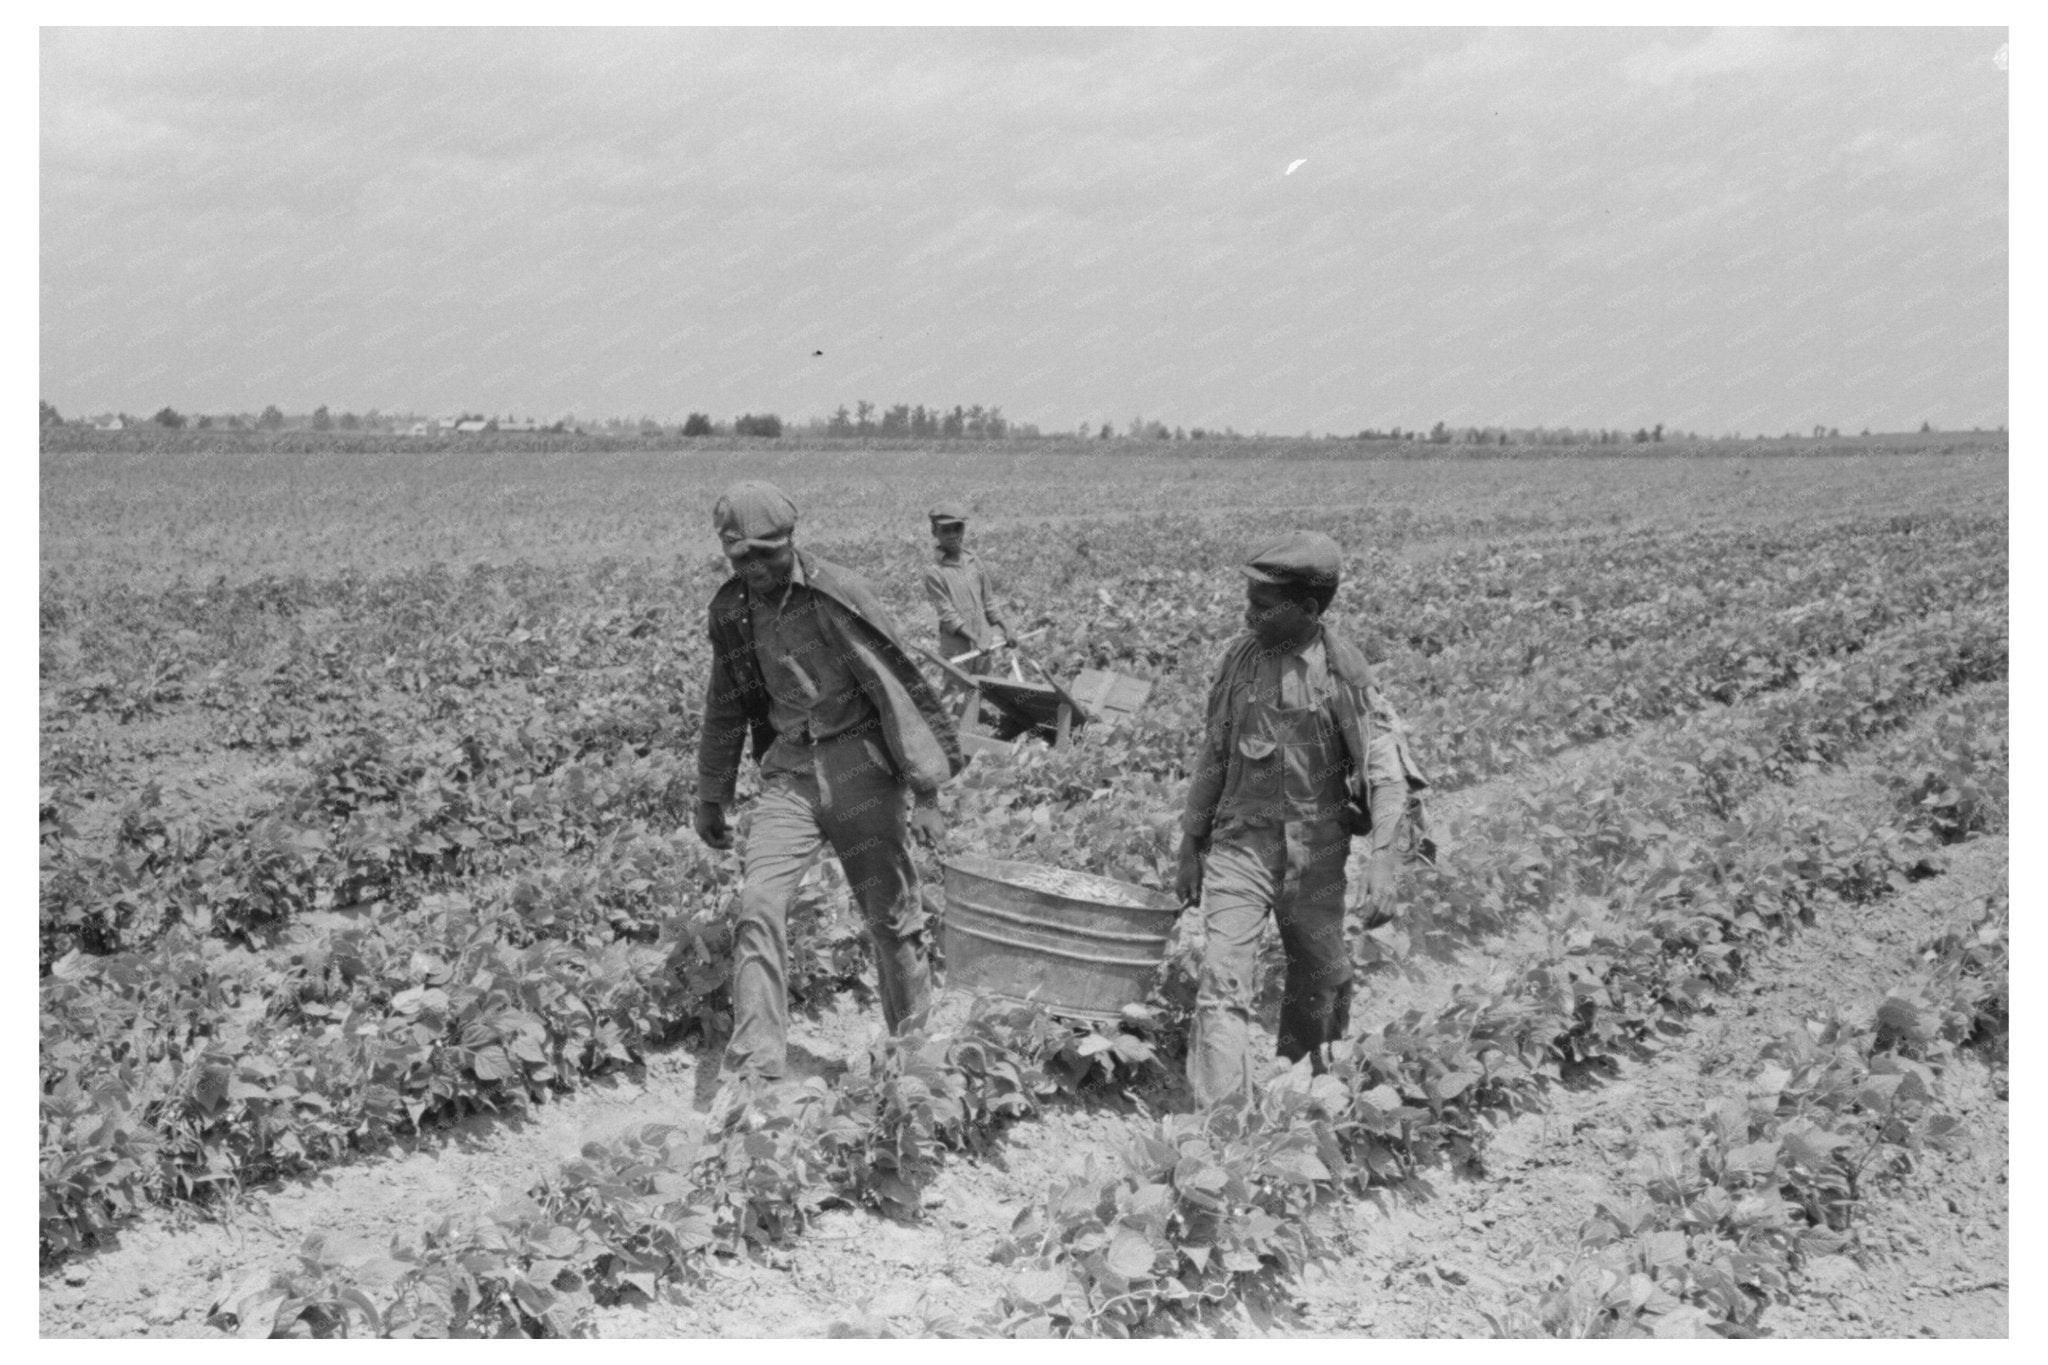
(753, 515)
(949, 511)
(1304, 557)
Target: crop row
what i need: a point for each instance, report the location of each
(1709, 899)
(1214, 1202)
(1717, 1229)
(643, 1212)
(486, 772)
(1206, 1209)
(360, 1091)
(1690, 890)
(278, 662)
(1050, 807)
(379, 820)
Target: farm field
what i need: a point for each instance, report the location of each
(382, 979)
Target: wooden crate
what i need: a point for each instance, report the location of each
(1108, 699)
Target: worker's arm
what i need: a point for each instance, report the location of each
(1387, 795)
(941, 596)
(1205, 790)
(1205, 785)
(988, 601)
(1386, 781)
(1211, 761)
(723, 737)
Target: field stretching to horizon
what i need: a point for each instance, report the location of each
(382, 983)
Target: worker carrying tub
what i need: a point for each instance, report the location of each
(1293, 761)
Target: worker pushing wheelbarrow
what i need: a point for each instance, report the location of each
(974, 645)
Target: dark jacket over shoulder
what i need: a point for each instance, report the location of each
(918, 731)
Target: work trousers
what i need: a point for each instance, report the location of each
(852, 800)
(1295, 871)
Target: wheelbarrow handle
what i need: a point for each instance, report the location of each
(1011, 643)
(948, 667)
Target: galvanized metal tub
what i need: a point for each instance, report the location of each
(1080, 944)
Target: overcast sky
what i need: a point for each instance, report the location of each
(1718, 230)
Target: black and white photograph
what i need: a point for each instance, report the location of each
(1042, 680)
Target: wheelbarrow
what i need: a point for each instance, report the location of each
(1018, 705)
(1045, 708)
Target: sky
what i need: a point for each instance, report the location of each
(1746, 231)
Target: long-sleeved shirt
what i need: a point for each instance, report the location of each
(739, 705)
(813, 692)
(1291, 736)
(959, 593)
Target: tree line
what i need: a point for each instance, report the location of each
(904, 421)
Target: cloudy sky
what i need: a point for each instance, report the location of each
(1718, 230)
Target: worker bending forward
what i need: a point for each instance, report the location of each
(1291, 765)
(957, 586)
(807, 662)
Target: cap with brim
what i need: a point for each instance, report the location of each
(1305, 558)
(753, 515)
(949, 512)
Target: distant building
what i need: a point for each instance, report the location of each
(113, 423)
(417, 429)
(472, 424)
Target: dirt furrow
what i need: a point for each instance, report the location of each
(1434, 1267)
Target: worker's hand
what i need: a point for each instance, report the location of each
(711, 826)
(1382, 872)
(1187, 879)
(927, 826)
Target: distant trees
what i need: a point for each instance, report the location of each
(901, 421)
